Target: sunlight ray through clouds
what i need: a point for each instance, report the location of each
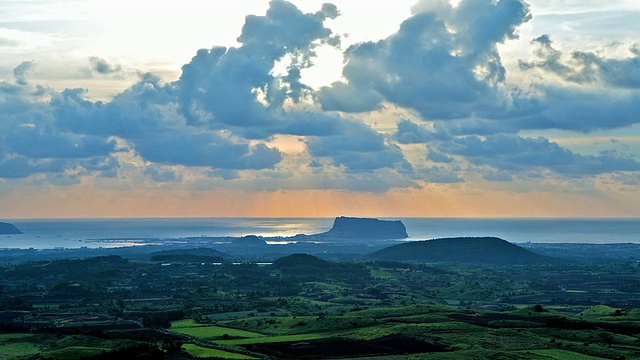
(348, 105)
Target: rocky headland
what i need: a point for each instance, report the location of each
(364, 228)
(8, 229)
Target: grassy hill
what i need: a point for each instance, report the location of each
(476, 250)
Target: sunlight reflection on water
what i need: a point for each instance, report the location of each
(76, 233)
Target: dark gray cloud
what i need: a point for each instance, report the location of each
(160, 174)
(20, 72)
(43, 143)
(358, 148)
(583, 109)
(349, 98)
(441, 175)
(517, 154)
(206, 149)
(235, 86)
(586, 67)
(444, 65)
(439, 157)
(101, 66)
(409, 132)
(31, 143)
(497, 176)
(147, 107)
(582, 92)
(145, 116)
(15, 166)
(329, 11)
(225, 174)
(104, 164)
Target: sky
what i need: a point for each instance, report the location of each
(429, 108)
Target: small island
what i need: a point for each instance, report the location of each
(8, 229)
(365, 228)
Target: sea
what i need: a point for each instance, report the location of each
(106, 233)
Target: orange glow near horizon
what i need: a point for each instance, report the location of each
(439, 201)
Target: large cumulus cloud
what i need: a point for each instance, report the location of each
(227, 103)
(220, 119)
(235, 87)
(30, 141)
(443, 62)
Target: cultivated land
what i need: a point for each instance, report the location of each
(195, 304)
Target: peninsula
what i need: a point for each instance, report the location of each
(8, 229)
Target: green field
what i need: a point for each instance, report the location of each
(73, 352)
(366, 310)
(14, 345)
(273, 339)
(203, 352)
(564, 355)
(209, 331)
(186, 323)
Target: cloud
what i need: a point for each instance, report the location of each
(225, 174)
(206, 149)
(497, 176)
(15, 166)
(326, 177)
(409, 132)
(235, 87)
(583, 109)
(586, 67)
(344, 97)
(441, 175)
(31, 143)
(20, 72)
(106, 166)
(442, 63)
(223, 98)
(582, 92)
(329, 11)
(221, 122)
(147, 116)
(101, 66)
(438, 157)
(160, 174)
(39, 143)
(7, 42)
(358, 148)
(518, 154)
(147, 107)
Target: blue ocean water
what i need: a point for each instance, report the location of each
(75, 233)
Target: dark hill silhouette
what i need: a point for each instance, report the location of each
(363, 228)
(8, 229)
(474, 250)
(301, 260)
(310, 267)
(189, 255)
(249, 240)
